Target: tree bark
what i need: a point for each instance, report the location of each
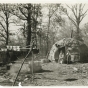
(7, 27)
(29, 26)
(71, 33)
(48, 37)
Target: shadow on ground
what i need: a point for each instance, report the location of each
(70, 79)
(41, 71)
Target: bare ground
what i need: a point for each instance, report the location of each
(53, 74)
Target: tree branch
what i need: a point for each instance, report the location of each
(17, 16)
(80, 10)
(2, 35)
(54, 12)
(72, 9)
(69, 7)
(2, 40)
(76, 9)
(21, 17)
(3, 18)
(83, 7)
(3, 27)
(84, 13)
(26, 7)
(71, 19)
(82, 17)
(74, 12)
(22, 12)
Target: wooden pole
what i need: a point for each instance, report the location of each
(21, 67)
(32, 66)
(67, 59)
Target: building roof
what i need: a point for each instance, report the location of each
(68, 42)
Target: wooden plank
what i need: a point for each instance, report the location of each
(20, 62)
(25, 48)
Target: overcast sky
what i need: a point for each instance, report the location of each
(86, 17)
(43, 1)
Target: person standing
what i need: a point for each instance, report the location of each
(61, 57)
(68, 57)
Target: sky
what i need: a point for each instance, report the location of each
(43, 1)
(86, 17)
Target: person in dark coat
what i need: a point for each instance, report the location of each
(68, 57)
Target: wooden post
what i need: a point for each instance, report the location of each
(67, 59)
(32, 66)
(65, 54)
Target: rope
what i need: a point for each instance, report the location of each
(21, 66)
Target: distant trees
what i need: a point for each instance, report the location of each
(29, 14)
(50, 28)
(78, 15)
(52, 8)
(51, 16)
(23, 12)
(66, 30)
(5, 22)
(34, 25)
(85, 33)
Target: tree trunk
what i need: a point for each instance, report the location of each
(53, 39)
(28, 34)
(40, 42)
(29, 26)
(7, 27)
(78, 30)
(71, 33)
(48, 37)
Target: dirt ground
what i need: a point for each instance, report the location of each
(53, 74)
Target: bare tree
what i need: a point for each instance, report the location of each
(23, 12)
(5, 22)
(28, 13)
(79, 14)
(52, 8)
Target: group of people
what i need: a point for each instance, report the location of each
(62, 57)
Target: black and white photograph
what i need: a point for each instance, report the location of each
(44, 44)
